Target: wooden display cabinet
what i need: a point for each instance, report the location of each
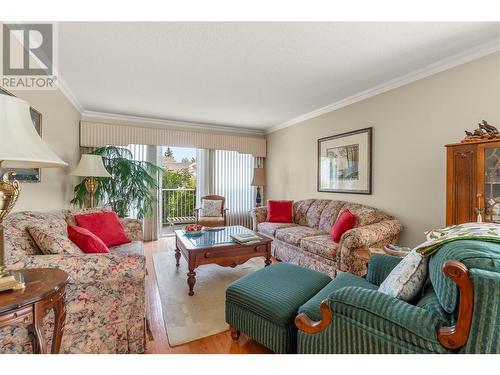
(473, 181)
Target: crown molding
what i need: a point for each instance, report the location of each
(66, 91)
(437, 67)
(181, 125)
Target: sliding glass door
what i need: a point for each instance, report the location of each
(190, 174)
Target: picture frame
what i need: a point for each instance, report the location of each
(345, 162)
(27, 175)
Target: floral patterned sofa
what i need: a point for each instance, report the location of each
(105, 296)
(307, 241)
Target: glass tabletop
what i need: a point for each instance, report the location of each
(219, 237)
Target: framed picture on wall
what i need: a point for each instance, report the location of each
(345, 162)
(27, 174)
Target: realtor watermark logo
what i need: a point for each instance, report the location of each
(28, 56)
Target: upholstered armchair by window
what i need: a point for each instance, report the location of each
(212, 212)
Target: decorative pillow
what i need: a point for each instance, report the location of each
(211, 207)
(344, 222)
(51, 242)
(106, 226)
(70, 214)
(406, 279)
(279, 211)
(88, 242)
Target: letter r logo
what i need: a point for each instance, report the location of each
(27, 49)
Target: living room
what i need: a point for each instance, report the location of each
(291, 185)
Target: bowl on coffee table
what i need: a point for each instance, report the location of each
(193, 230)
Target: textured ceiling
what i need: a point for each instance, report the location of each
(251, 75)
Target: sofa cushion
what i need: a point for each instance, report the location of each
(17, 238)
(329, 215)
(269, 229)
(406, 280)
(203, 219)
(70, 214)
(300, 209)
(211, 208)
(365, 215)
(430, 302)
(293, 235)
(314, 212)
(53, 242)
(279, 211)
(132, 248)
(320, 245)
(276, 292)
(87, 241)
(345, 221)
(312, 307)
(106, 226)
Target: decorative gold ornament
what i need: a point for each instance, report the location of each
(9, 192)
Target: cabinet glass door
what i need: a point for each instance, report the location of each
(492, 184)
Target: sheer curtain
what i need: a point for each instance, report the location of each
(231, 177)
(228, 173)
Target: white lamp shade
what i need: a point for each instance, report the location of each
(259, 177)
(20, 144)
(90, 166)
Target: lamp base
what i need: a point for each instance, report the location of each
(9, 193)
(258, 198)
(91, 184)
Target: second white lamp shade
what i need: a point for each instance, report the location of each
(90, 166)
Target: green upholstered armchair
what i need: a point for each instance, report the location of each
(458, 311)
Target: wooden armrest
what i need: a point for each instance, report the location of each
(456, 336)
(307, 325)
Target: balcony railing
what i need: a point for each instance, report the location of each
(178, 206)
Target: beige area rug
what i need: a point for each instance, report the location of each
(190, 318)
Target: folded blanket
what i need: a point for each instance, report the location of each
(489, 232)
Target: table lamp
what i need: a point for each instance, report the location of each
(259, 179)
(91, 166)
(20, 147)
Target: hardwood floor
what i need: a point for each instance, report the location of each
(217, 344)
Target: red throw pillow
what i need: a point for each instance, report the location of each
(87, 241)
(105, 225)
(345, 221)
(280, 211)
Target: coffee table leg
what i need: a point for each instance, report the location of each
(191, 280)
(177, 256)
(268, 255)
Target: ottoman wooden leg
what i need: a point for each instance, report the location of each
(235, 334)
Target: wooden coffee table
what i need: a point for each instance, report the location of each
(218, 248)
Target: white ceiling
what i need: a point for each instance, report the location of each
(248, 75)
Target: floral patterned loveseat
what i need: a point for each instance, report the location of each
(105, 306)
(307, 241)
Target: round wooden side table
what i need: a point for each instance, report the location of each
(45, 290)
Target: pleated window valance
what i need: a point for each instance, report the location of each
(98, 134)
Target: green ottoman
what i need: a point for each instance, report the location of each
(265, 303)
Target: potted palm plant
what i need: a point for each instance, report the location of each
(131, 186)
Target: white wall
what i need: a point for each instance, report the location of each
(60, 130)
(411, 124)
